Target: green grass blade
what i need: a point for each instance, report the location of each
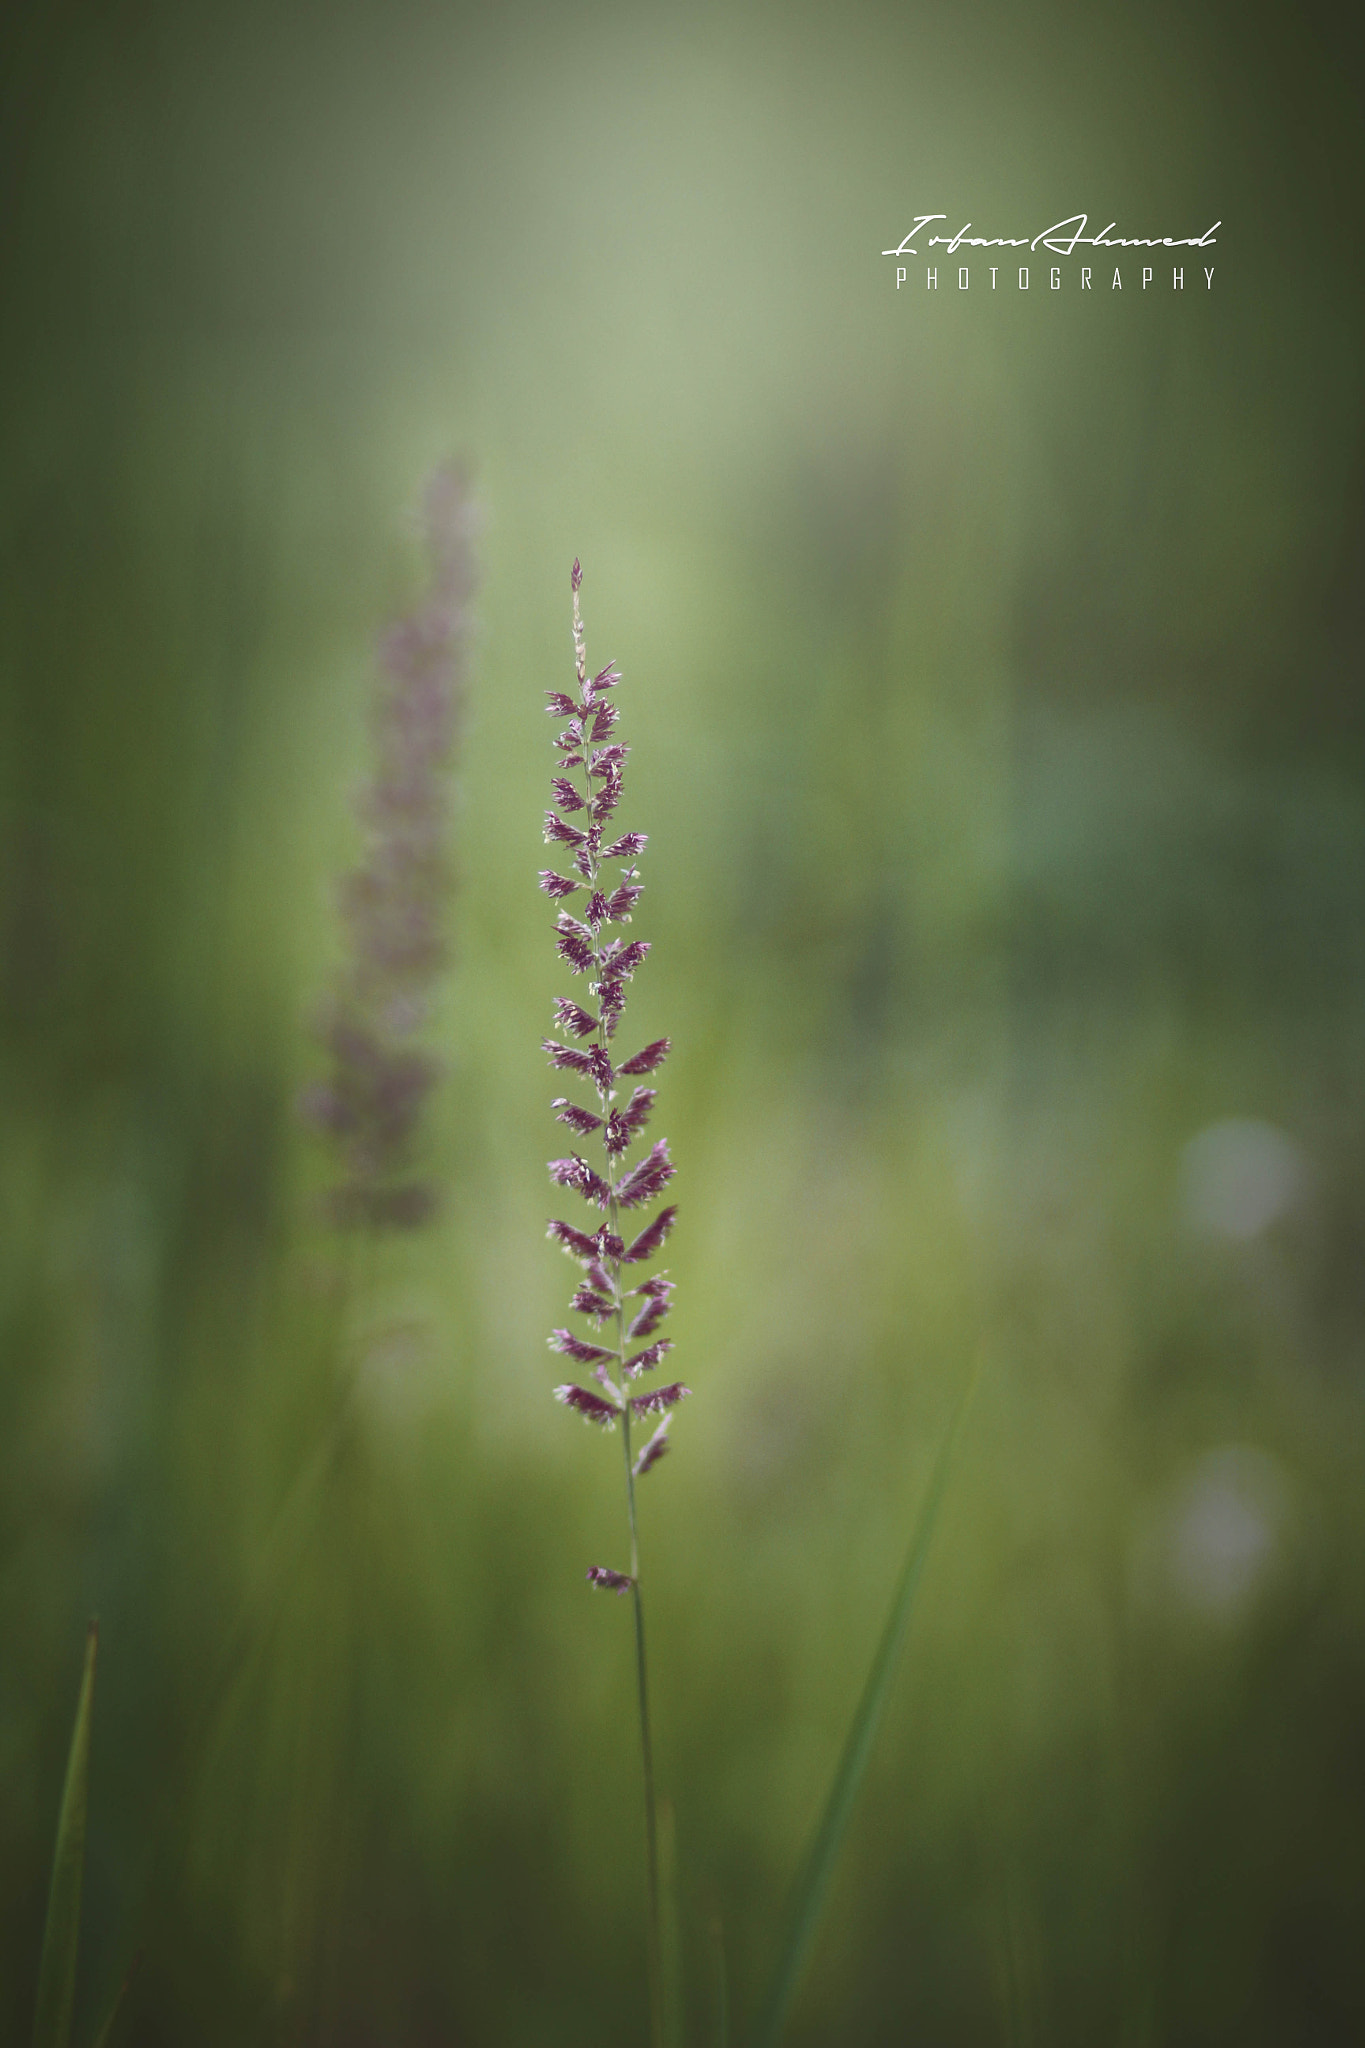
(722, 1984)
(813, 1885)
(106, 2032)
(61, 1936)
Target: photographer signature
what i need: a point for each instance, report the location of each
(1063, 239)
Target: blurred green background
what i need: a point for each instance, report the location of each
(992, 668)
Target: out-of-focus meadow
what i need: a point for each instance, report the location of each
(992, 670)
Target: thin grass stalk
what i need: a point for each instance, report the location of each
(653, 1929)
(669, 1917)
(654, 1932)
(812, 1888)
(586, 745)
(62, 1932)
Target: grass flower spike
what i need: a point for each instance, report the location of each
(391, 904)
(623, 1307)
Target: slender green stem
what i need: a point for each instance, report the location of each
(655, 1945)
(653, 1939)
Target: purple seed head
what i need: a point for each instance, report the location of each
(647, 1321)
(646, 1360)
(646, 1180)
(611, 1582)
(566, 1056)
(570, 1017)
(654, 1449)
(589, 1302)
(573, 1347)
(566, 796)
(659, 1398)
(576, 1242)
(620, 901)
(581, 1120)
(392, 903)
(556, 829)
(599, 1066)
(591, 1407)
(653, 1056)
(627, 846)
(589, 784)
(650, 1238)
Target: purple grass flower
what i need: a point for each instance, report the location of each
(569, 1017)
(574, 1172)
(627, 846)
(599, 1066)
(586, 746)
(576, 1242)
(659, 1398)
(652, 1314)
(577, 952)
(654, 1449)
(566, 1057)
(567, 835)
(646, 1360)
(622, 960)
(646, 1180)
(589, 1301)
(621, 901)
(597, 788)
(625, 1125)
(607, 798)
(611, 1582)
(650, 1238)
(590, 1406)
(581, 1120)
(392, 904)
(652, 1056)
(573, 1347)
